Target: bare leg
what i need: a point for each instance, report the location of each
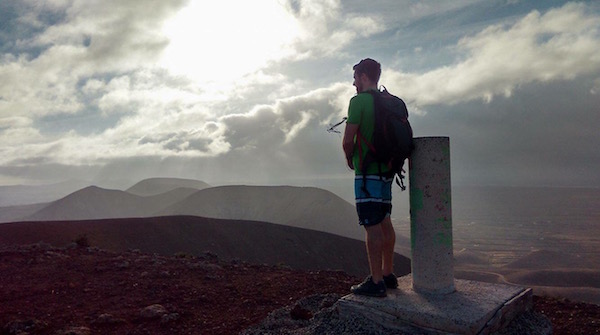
(375, 242)
(389, 241)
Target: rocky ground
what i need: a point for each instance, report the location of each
(83, 290)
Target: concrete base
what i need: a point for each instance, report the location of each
(474, 308)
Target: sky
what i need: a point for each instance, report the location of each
(242, 92)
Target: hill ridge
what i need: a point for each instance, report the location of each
(158, 185)
(307, 207)
(250, 241)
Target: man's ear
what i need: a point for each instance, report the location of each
(362, 77)
(365, 79)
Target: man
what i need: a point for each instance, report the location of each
(373, 193)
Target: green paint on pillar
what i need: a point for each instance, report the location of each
(416, 204)
(444, 222)
(445, 239)
(446, 151)
(416, 199)
(413, 235)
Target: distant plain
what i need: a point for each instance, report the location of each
(547, 238)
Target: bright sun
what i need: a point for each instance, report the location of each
(217, 42)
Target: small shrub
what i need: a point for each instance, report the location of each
(82, 241)
(182, 254)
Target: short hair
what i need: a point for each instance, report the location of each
(369, 67)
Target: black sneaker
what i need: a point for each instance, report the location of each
(369, 288)
(391, 281)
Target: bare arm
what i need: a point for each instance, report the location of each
(348, 142)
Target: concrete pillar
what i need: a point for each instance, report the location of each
(431, 216)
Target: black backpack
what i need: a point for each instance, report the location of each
(392, 141)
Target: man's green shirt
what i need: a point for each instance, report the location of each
(361, 111)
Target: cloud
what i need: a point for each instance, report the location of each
(83, 87)
(269, 127)
(164, 128)
(14, 122)
(561, 44)
(327, 28)
(285, 140)
(596, 87)
(90, 39)
(117, 35)
(217, 42)
(544, 134)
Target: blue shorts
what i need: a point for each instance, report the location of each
(374, 204)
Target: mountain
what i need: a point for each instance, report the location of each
(16, 213)
(15, 195)
(155, 186)
(305, 207)
(92, 202)
(250, 241)
(97, 203)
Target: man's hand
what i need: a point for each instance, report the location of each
(348, 143)
(349, 162)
